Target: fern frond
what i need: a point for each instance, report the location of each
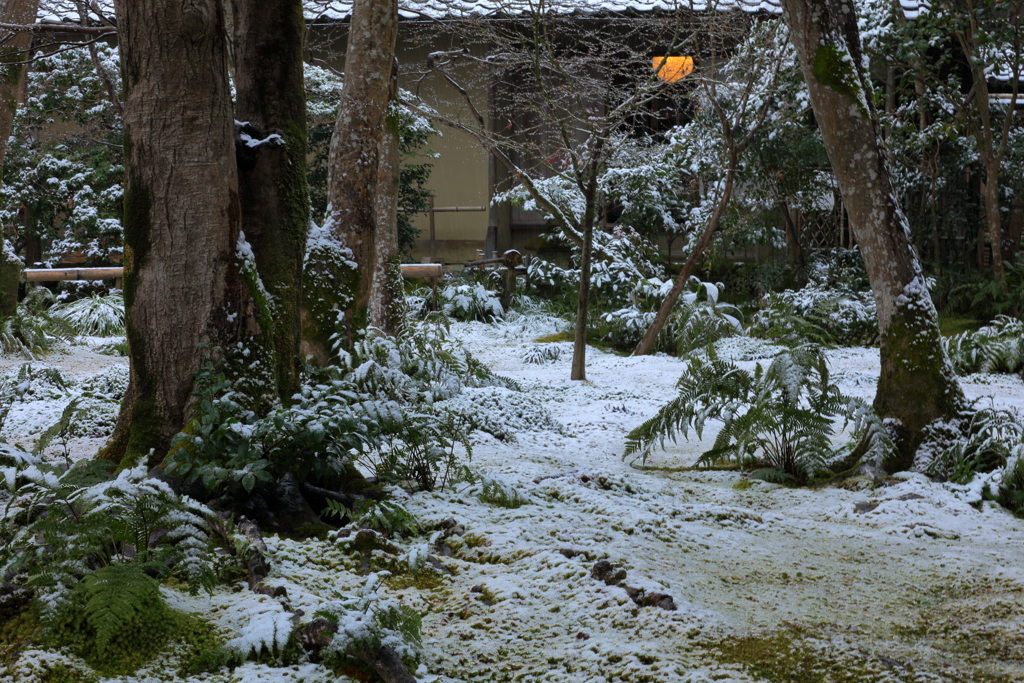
(781, 416)
(115, 596)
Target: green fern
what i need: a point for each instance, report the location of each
(498, 492)
(995, 348)
(91, 520)
(779, 418)
(115, 596)
(384, 515)
(33, 329)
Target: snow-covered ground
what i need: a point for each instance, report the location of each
(903, 582)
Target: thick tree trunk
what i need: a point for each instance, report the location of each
(12, 72)
(917, 384)
(355, 147)
(387, 295)
(272, 181)
(182, 282)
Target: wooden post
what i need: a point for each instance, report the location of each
(433, 248)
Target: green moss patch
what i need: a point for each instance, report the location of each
(951, 326)
(571, 337)
(835, 70)
(196, 643)
(785, 657)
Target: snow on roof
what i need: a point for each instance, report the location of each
(335, 10)
(413, 9)
(338, 10)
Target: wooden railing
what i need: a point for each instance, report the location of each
(424, 270)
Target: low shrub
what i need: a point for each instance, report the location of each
(778, 419)
(996, 347)
(366, 621)
(697, 320)
(835, 307)
(470, 301)
(34, 328)
(91, 546)
(94, 316)
(382, 405)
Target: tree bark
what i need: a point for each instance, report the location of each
(992, 140)
(796, 251)
(274, 196)
(387, 293)
(917, 384)
(579, 347)
(354, 159)
(665, 310)
(183, 283)
(12, 72)
(11, 270)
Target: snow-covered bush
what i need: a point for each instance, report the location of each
(380, 515)
(366, 622)
(379, 406)
(1011, 489)
(89, 543)
(34, 328)
(779, 418)
(539, 354)
(470, 301)
(958, 451)
(980, 453)
(623, 271)
(834, 308)
(94, 316)
(70, 178)
(111, 383)
(232, 451)
(35, 381)
(697, 320)
(996, 347)
(500, 412)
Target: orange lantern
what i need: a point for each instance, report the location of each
(672, 69)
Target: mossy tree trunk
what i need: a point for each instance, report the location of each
(268, 39)
(386, 294)
(12, 71)
(354, 159)
(917, 384)
(185, 283)
(11, 269)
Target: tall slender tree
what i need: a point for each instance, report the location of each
(385, 311)
(184, 286)
(917, 383)
(355, 153)
(14, 52)
(270, 96)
